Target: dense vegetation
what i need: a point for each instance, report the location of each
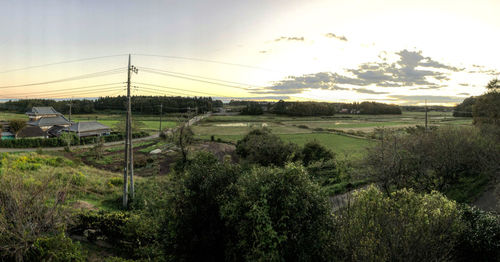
(63, 140)
(140, 104)
(464, 109)
(303, 108)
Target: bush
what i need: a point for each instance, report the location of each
(278, 214)
(56, 248)
(261, 147)
(432, 160)
(193, 229)
(404, 226)
(314, 151)
(480, 239)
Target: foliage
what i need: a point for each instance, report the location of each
(183, 137)
(480, 239)
(259, 146)
(16, 125)
(252, 109)
(486, 110)
(404, 226)
(140, 104)
(314, 151)
(29, 210)
(464, 109)
(193, 229)
(61, 142)
(431, 160)
(303, 108)
(278, 214)
(56, 248)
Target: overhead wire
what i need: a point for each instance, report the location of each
(194, 79)
(60, 62)
(183, 90)
(208, 61)
(64, 89)
(80, 77)
(202, 77)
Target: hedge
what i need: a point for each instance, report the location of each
(59, 142)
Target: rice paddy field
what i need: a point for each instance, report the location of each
(346, 135)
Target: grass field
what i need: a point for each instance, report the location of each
(300, 130)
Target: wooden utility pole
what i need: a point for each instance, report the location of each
(161, 113)
(70, 104)
(128, 170)
(426, 114)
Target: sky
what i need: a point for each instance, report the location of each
(402, 52)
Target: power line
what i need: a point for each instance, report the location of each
(80, 77)
(203, 77)
(65, 89)
(194, 79)
(59, 63)
(168, 87)
(66, 92)
(209, 61)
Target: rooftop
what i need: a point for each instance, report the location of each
(87, 126)
(43, 110)
(50, 121)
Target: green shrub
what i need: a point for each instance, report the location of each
(480, 239)
(278, 214)
(193, 229)
(314, 151)
(261, 147)
(405, 226)
(56, 248)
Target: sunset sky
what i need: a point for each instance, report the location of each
(401, 52)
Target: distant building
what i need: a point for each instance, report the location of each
(83, 129)
(46, 118)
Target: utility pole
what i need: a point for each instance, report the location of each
(161, 113)
(425, 114)
(70, 104)
(129, 159)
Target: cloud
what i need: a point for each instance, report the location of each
(463, 94)
(339, 37)
(463, 84)
(411, 70)
(414, 99)
(290, 38)
(263, 51)
(368, 91)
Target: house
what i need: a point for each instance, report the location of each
(31, 132)
(46, 118)
(83, 129)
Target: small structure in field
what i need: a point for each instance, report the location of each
(83, 129)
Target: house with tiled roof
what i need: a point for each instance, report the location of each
(46, 118)
(83, 129)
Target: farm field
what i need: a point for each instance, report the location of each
(326, 130)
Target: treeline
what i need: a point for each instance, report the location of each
(140, 104)
(303, 108)
(314, 108)
(373, 108)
